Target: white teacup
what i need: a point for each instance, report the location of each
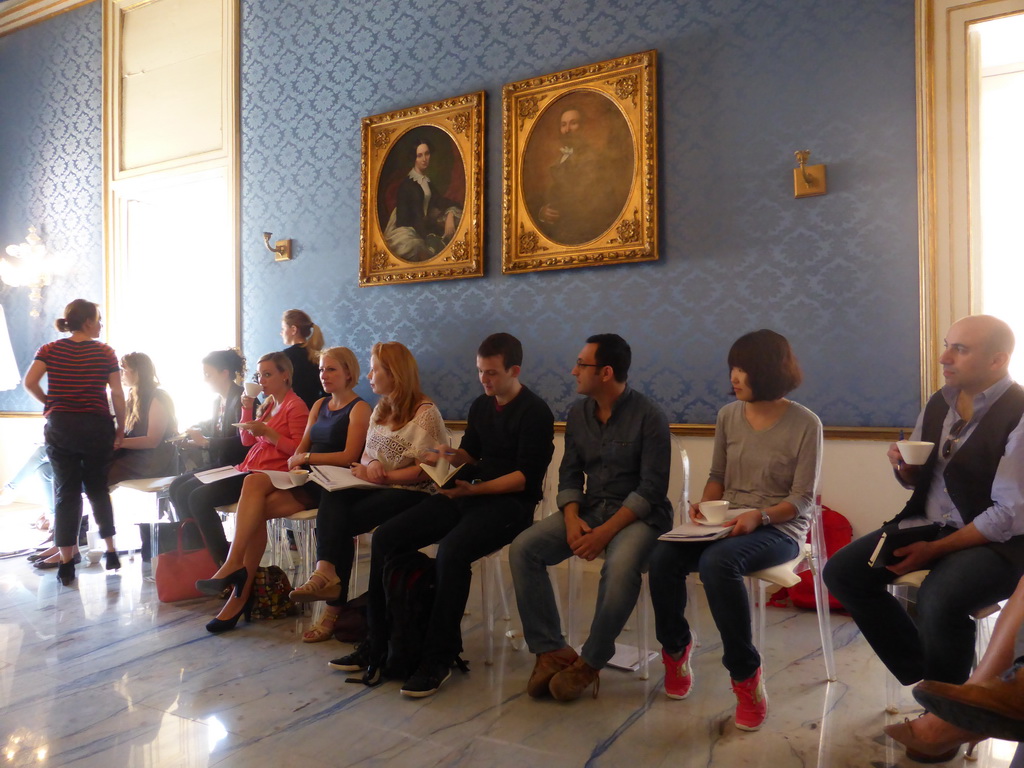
(714, 511)
(93, 556)
(252, 389)
(915, 452)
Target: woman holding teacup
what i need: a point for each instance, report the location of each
(765, 464)
(272, 435)
(335, 434)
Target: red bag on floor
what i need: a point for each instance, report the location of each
(837, 533)
(178, 570)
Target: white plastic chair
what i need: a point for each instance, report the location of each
(159, 486)
(492, 580)
(901, 590)
(787, 575)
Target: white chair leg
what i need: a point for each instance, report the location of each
(353, 586)
(824, 622)
(575, 579)
(692, 613)
(643, 611)
(553, 578)
(488, 607)
(499, 584)
(755, 622)
(892, 685)
(761, 613)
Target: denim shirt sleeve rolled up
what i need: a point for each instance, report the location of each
(623, 462)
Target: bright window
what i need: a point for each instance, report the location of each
(1001, 174)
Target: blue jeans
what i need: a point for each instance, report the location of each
(544, 544)
(939, 644)
(37, 462)
(722, 565)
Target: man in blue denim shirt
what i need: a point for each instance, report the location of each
(617, 446)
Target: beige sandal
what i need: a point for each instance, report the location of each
(319, 587)
(323, 629)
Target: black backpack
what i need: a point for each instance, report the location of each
(409, 584)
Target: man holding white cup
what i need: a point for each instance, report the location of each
(966, 512)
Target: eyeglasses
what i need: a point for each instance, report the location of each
(954, 437)
(581, 364)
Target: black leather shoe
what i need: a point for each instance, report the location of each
(111, 561)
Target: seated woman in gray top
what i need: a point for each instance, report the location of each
(766, 460)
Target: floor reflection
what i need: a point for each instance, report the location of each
(102, 674)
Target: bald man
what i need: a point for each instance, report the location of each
(967, 511)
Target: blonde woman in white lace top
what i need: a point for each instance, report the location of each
(403, 425)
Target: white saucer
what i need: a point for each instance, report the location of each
(708, 522)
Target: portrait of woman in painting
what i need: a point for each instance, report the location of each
(421, 194)
(578, 167)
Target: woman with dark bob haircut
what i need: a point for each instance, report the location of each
(766, 461)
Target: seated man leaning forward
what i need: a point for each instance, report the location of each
(505, 452)
(617, 446)
(968, 499)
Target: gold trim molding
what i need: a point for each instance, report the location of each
(18, 14)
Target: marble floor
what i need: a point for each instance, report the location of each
(103, 674)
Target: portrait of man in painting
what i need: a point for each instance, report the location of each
(421, 194)
(578, 165)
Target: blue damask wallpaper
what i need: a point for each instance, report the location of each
(743, 83)
(51, 173)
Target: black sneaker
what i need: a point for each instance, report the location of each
(358, 659)
(426, 680)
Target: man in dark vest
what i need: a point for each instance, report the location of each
(969, 500)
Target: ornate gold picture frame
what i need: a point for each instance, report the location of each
(579, 166)
(422, 193)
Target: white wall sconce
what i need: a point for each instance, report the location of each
(282, 249)
(28, 265)
(808, 180)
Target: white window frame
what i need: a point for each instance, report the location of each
(947, 180)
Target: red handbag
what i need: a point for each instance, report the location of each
(178, 570)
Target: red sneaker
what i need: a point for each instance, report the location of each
(678, 675)
(751, 702)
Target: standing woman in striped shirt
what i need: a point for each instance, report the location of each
(80, 434)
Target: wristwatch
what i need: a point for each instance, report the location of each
(765, 520)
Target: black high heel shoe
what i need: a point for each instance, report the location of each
(213, 587)
(111, 561)
(223, 625)
(66, 573)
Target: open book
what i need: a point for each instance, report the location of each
(218, 473)
(441, 472)
(330, 478)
